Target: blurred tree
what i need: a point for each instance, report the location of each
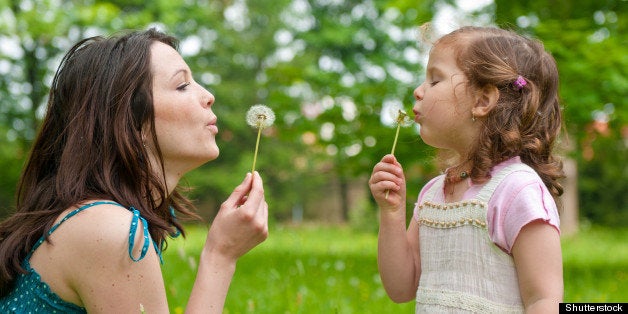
(339, 65)
(325, 67)
(331, 70)
(27, 37)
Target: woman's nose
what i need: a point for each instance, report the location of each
(208, 98)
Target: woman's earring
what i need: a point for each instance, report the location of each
(472, 117)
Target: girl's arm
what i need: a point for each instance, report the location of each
(538, 260)
(398, 249)
(398, 260)
(241, 224)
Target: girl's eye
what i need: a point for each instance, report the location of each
(433, 83)
(183, 86)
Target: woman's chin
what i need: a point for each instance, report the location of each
(214, 155)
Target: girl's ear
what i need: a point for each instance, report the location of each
(486, 101)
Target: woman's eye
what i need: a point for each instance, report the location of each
(183, 86)
(433, 83)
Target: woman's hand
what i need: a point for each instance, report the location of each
(388, 184)
(240, 225)
(242, 221)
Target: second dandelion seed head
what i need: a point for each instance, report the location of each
(260, 116)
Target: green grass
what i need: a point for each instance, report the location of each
(323, 269)
(595, 265)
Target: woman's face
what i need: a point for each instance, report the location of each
(184, 122)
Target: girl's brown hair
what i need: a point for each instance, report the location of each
(91, 146)
(526, 121)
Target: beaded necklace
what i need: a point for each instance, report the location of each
(451, 179)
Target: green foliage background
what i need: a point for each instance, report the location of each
(339, 59)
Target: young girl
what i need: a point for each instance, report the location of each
(484, 235)
(97, 198)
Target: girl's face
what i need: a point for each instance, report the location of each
(184, 122)
(443, 105)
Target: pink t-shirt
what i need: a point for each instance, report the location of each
(519, 199)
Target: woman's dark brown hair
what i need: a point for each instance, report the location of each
(91, 146)
(526, 121)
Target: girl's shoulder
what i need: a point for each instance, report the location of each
(428, 186)
(516, 174)
(519, 199)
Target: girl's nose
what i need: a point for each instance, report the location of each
(418, 92)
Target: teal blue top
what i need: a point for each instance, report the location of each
(31, 295)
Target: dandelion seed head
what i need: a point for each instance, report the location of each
(393, 111)
(260, 116)
(402, 118)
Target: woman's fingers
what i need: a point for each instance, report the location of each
(239, 194)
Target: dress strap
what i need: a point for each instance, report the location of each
(68, 216)
(487, 190)
(147, 239)
(177, 231)
(132, 232)
(430, 194)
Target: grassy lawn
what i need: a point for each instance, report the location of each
(595, 266)
(322, 269)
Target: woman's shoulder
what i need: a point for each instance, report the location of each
(89, 260)
(98, 234)
(90, 237)
(103, 209)
(94, 226)
(97, 214)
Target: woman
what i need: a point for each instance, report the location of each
(98, 195)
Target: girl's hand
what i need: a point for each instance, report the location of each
(242, 221)
(388, 179)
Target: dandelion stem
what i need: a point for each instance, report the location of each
(395, 142)
(393, 149)
(259, 133)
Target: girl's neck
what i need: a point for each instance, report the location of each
(456, 181)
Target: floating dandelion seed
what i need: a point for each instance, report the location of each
(401, 119)
(259, 117)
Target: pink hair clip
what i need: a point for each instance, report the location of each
(519, 83)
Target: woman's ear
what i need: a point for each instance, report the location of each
(486, 101)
